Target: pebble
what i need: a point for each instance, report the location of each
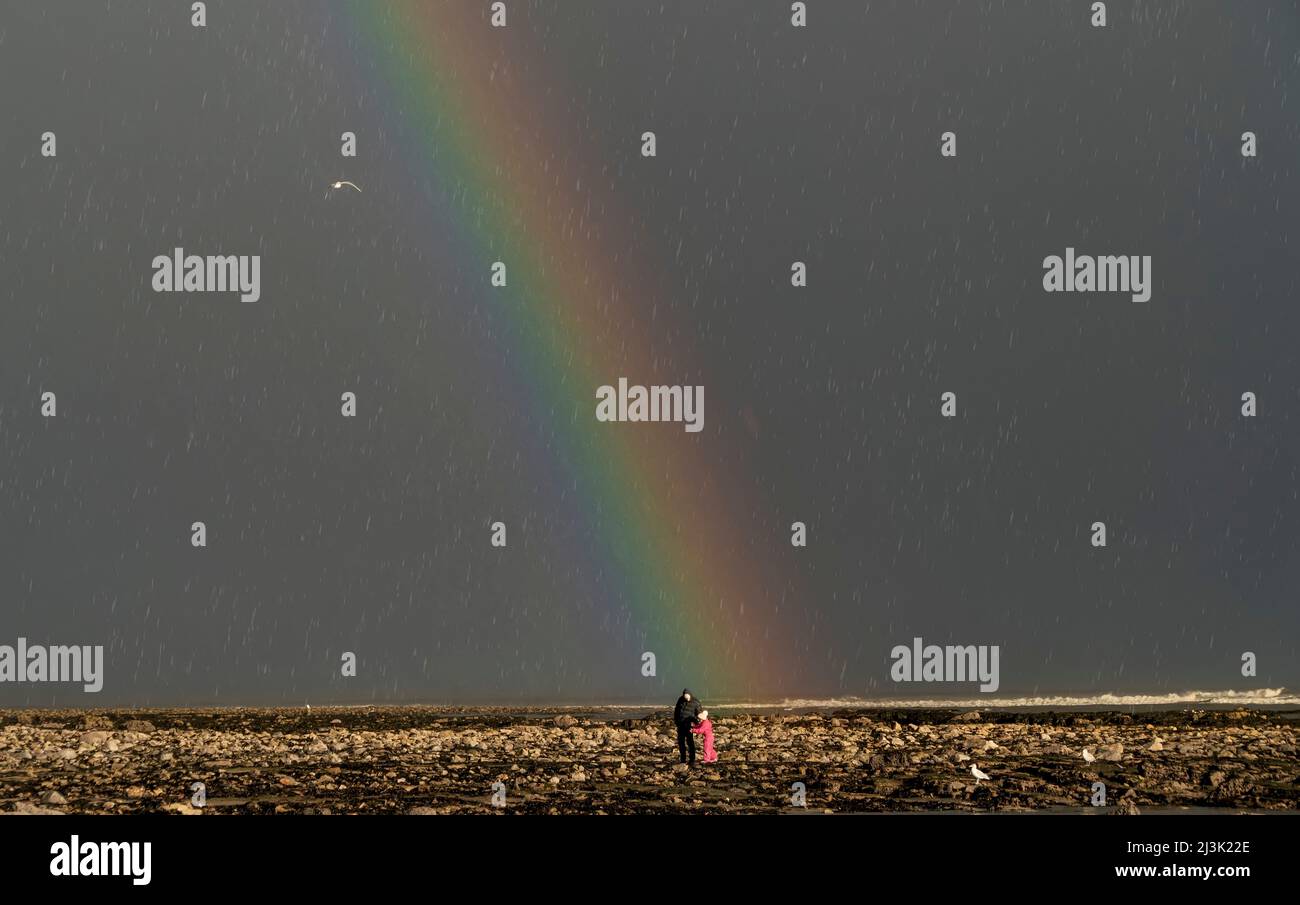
(180, 807)
(24, 807)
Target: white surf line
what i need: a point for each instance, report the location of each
(1263, 696)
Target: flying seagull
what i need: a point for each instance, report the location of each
(978, 773)
(343, 182)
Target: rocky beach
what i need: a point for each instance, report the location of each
(423, 760)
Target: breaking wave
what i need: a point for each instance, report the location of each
(1258, 697)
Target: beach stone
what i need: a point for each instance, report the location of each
(53, 798)
(180, 807)
(1231, 789)
(1125, 808)
(888, 759)
(565, 722)
(92, 739)
(143, 726)
(26, 808)
(1110, 752)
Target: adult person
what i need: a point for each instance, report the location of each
(685, 716)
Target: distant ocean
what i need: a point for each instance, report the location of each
(1257, 699)
(1263, 697)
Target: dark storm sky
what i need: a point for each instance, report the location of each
(775, 145)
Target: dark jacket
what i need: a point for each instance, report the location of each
(686, 712)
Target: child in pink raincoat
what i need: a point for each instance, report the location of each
(705, 728)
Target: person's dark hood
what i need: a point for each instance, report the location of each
(686, 711)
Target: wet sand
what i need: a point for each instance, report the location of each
(424, 760)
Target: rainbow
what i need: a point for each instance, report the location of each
(577, 315)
